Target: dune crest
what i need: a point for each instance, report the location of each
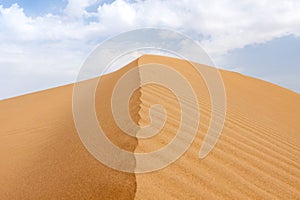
(256, 156)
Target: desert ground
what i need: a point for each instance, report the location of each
(257, 155)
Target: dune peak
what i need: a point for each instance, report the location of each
(256, 156)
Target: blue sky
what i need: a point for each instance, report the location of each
(36, 8)
(276, 61)
(43, 43)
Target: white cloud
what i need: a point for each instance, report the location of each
(61, 42)
(77, 8)
(225, 25)
(220, 26)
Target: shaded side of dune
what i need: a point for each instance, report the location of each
(42, 156)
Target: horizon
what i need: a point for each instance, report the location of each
(118, 67)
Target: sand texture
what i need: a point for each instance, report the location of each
(256, 157)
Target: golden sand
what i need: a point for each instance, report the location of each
(256, 157)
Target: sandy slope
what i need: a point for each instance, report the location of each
(256, 157)
(42, 156)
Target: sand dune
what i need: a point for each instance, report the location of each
(256, 157)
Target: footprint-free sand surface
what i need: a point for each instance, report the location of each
(257, 155)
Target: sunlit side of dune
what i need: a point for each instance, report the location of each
(256, 156)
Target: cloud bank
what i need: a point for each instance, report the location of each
(57, 43)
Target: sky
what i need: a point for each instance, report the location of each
(44, 43)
